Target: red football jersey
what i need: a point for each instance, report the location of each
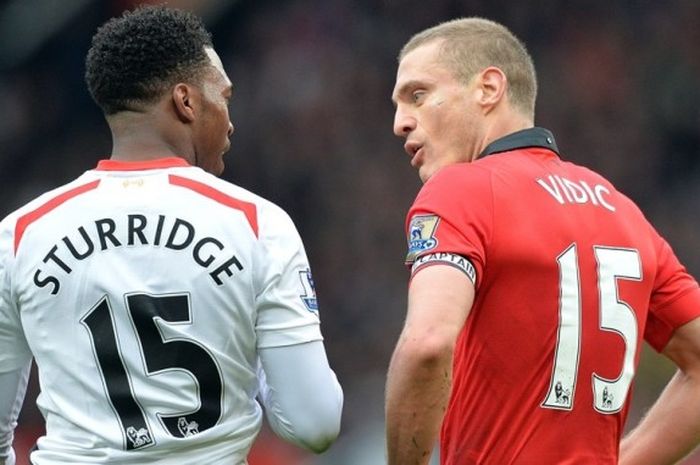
(569, 277)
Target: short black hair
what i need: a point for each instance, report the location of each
(138, 56)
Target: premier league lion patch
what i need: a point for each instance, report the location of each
(421, 235)
(309, 296)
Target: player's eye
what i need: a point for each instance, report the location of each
(417, 96)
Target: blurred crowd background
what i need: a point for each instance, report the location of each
(619, 87)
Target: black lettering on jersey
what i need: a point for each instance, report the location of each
(176, 228)
(181, 235)
(46, 281)
(198, 246)
(225, 268)
(137, 230)
(104, 234)
(159, 229)
(54, 258)
(88, 242)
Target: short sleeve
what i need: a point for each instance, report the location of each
(287, 307)
(14, 350)
(452, 214)
(675, 298)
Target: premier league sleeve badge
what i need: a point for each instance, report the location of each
(421, 236)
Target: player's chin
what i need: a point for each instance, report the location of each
(424, 173)
(218, 169)
(214, 166)
(218, 160)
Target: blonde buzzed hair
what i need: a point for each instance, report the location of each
(471, 45)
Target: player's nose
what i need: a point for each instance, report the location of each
(404, 123)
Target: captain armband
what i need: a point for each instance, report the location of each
(445, 258)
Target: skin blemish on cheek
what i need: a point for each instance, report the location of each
(437, 100)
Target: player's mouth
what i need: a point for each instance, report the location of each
(414, 150)
(417, 159)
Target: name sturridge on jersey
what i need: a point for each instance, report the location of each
(102, 234)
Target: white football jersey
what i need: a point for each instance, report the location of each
(143, 291)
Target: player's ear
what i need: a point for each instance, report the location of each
(183, 99)
(493, 83)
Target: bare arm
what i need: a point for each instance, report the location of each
(420, 374)
(671, 429)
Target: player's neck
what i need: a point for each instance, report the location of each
(502, 126)
(142, 150)
(139, 136)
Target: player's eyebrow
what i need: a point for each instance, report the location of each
(405, 88)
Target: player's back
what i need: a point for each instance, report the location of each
(138, 292)
(545, 362)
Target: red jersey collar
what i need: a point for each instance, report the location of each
(140, 165)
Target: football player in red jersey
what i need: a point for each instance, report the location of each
(533, 281)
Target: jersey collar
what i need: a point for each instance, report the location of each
(140, 165)
(532, 137)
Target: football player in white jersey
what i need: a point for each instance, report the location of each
(159, 301)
